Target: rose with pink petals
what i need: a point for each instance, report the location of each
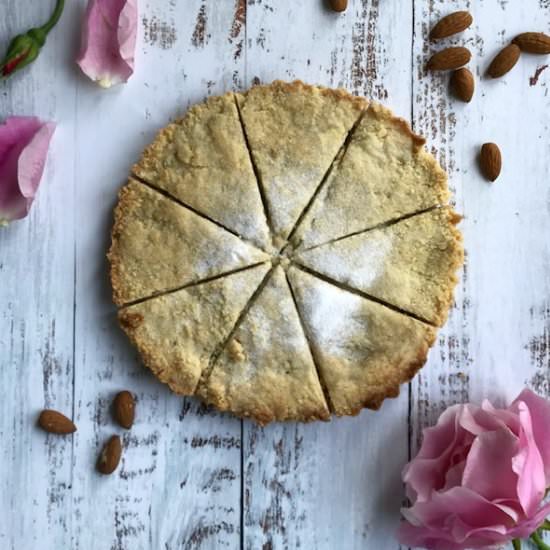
(24, 143)
(480, 477)
(109, 41)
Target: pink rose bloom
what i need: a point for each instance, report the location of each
(480, 477)
(109, 37)
(24, 143)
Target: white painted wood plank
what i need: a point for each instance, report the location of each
(329, 485)
(179, 482)
(496, 339)
(36, 314)
(501, 301)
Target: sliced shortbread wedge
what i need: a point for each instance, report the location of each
(385, 174)
(177, 333)
(363, 350)
(266, 372)
(202, 160)
(411, 264)
(295, 132)
(158, 245)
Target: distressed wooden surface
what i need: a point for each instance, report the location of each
(191, 478)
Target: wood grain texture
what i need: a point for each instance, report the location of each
(300, 482)
(179, 482)
(36, 317)
(495, 341)
(191, 478)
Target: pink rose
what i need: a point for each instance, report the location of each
(480, 477)
(24, 143)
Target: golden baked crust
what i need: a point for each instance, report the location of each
(177, 333)
(411, 264)
(363, 205)
(266, 371)
(202, 160)
(364, 351)
(295, 131)
(385, 174)
(158, 245)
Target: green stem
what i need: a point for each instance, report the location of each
(545, 526)
(541, 545)
(56, 15)
(516, 543)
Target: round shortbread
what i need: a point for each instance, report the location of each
(285, 253)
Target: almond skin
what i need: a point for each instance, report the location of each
(54, 422)
(533, 42)
(124, 409)
(338, 5)
(109, 458)
(490, 161)
(463, 84)
(451, 24)
(449, 59)
(504, 61)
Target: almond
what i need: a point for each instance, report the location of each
(124, 408)
(490, 161)
(533, 42)
(339, 5)
(451, 24)
(449, 58)
(54, 422)
(504, 61)
(463, 84)
(110, 456)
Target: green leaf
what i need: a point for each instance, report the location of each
(537, 539)
(545, 526)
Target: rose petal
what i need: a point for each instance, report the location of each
(24, 143)
(504, 416)
(539, 409)
(528, 465)
(428, 469)
(109, 41)
(451, 519)
(524, 528)
(453, 477)
(438, 438)
(486, 418)
(473, 509)
(488, 469)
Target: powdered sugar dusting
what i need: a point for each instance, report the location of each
(270, 335)
(333, 316)
(358, 261)
(281, 329)
(227, 253)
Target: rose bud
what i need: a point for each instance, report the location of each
(25, 48)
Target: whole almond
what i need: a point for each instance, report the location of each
(110, 456)
(533, 42)
(54, 422)
(490, 161)
(124, 408)
(339, 5)
(504, 61)
(449, 58)
(451, 24)
(463, 84)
